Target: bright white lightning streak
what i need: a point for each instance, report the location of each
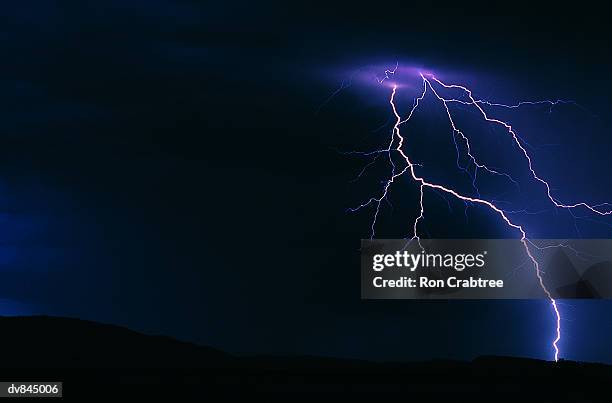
(477, 103)
(597, 208)
(425, 184)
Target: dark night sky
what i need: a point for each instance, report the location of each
(163, 167)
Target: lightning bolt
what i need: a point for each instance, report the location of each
(396, 146)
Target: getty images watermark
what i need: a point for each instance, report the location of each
(412, 261)
(485, 269)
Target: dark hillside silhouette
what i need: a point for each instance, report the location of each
(105, 360)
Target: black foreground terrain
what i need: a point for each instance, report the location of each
(96, 360)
